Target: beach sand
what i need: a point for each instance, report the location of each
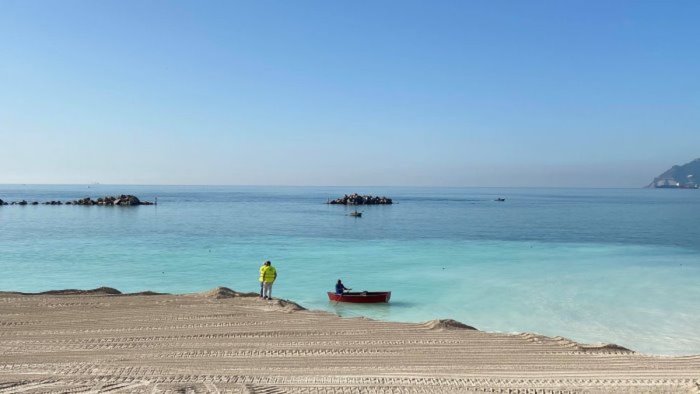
(223, 341)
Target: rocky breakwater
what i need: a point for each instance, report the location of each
(125, 200)
(356, 199)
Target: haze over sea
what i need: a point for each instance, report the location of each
(593, 265)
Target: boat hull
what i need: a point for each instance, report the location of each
(365, 297)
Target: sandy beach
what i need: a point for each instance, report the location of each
(227, 342)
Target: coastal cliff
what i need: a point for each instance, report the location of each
(686, 176)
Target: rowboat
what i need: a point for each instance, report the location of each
(364, 297)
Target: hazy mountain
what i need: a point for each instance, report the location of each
(685, 176)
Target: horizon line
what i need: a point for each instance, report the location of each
(288, 185)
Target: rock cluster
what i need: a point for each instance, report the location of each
(356, 199)
(123, 200)
(23, 202)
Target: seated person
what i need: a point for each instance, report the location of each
(340, 287)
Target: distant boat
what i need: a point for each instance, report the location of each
(500, 199)
(355, 214)
(364, 297)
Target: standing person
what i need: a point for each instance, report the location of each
(268, 274)
(340, 287)
(261, 278)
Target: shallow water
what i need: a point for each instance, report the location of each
(594, 265)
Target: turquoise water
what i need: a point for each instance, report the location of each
(594, 265)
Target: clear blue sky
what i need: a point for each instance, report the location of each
(464, 93)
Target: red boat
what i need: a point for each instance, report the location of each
(364, 297)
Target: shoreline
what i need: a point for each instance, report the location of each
(227, 341)
(222, 292)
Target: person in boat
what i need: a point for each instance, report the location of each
(340, 287)
(268, 275)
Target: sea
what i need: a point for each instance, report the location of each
(593, 265)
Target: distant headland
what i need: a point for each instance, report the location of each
(686, 176)
(124, 200)
(356, 199)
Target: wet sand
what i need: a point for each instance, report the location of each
(226, 342)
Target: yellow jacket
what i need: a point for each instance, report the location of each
(268, 274)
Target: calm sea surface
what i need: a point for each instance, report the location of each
(594, 265)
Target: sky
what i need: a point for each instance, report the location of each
(592, 93)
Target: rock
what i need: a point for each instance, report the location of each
(86, 201)
(133, 200)
(287, 306)
(145, 293)
(100, 290)
(23, 202)
(446, 324)
(35, 203)
(605, 348)
(224, 292)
